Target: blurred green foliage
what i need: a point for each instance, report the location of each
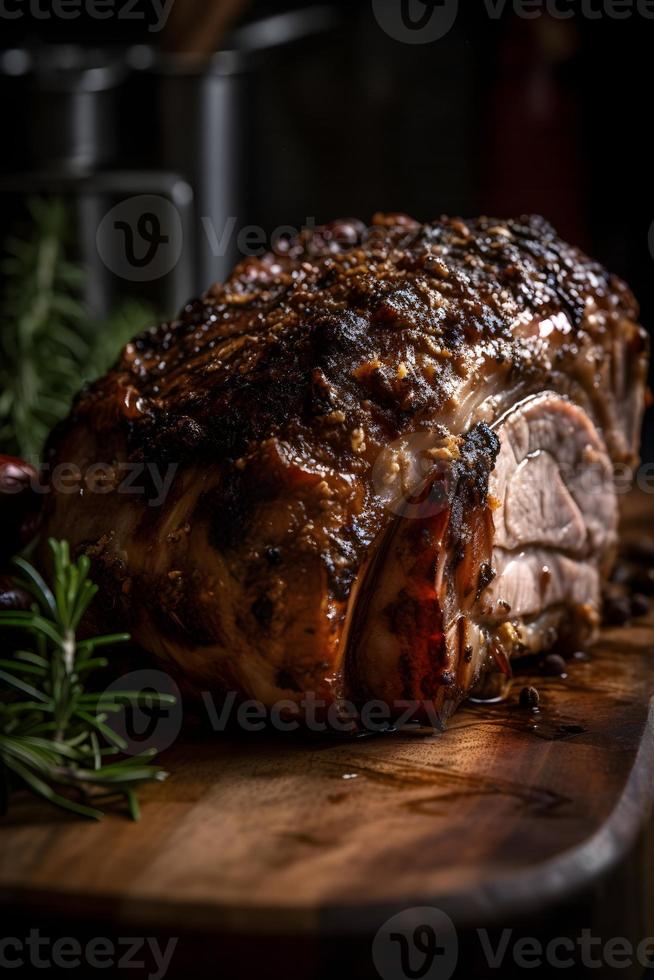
(49, 345)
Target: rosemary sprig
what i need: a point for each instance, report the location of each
(49, 344)
(53, 733)
(40, 330)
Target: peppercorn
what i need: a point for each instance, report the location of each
(529, 698)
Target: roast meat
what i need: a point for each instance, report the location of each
(389, 456)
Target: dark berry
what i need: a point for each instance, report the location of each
(554, 665)
(20, 504)
(12, 597)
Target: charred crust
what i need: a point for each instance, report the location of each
(341, 569)
(280, 344)
(471, 472)
(486, 575)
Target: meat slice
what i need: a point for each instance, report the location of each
(497, 550)
(392, 454)
(556, 523)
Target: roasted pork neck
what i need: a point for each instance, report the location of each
(393, 452)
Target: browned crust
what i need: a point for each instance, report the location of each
(272, 351)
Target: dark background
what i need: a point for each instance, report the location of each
(501, 116)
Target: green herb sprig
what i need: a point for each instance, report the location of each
(54, 738)
(49, 343)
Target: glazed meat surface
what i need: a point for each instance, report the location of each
(392, 454)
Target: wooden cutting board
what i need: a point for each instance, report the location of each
(259, 835)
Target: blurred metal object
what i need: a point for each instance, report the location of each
(70, 99)
(205, 128)
(74, 111)
(115, 128)
(197, 27)
(108, 277)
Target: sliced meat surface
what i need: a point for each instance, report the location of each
(520, 523)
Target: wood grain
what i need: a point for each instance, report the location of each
(506, 810)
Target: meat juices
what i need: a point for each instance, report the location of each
(393, 452)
